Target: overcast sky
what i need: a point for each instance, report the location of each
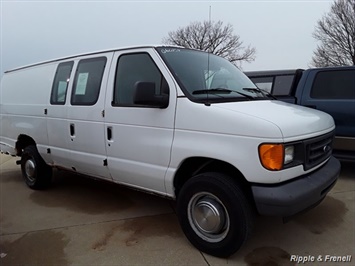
(34, 31)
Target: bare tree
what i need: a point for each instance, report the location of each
(214, 38)
(336, 32)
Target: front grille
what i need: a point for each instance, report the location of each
(318, 150)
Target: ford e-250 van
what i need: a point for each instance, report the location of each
(177, 122)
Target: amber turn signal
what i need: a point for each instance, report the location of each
(272, 156)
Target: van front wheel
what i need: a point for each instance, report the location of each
(214, 214)
(37, 174)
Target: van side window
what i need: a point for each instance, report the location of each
(133, 68)
(60, 83)
(334, 85)
(87, 82)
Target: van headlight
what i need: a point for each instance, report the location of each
(289, 154)
(274, 156)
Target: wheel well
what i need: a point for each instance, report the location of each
(22, 142)
(197, 165)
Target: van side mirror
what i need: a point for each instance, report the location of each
(144, 94)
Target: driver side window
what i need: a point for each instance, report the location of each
(134, 68)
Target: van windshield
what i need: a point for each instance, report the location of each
(204, 76)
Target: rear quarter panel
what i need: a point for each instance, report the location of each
(25, 94)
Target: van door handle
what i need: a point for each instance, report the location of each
(72, 130)
(109, 133)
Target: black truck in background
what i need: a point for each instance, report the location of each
(330, 89)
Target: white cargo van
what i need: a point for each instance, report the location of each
(177, 122)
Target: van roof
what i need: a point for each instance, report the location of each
(91, 53)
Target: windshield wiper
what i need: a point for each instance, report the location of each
(212, 91)
(263, 92)
(221, 91)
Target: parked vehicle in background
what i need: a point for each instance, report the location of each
(330, 89)
(181, 123)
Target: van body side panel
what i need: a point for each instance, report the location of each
(140, 140)
(85, 122)
(24, 97)
(57, 126)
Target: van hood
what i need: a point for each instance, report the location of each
(292, 120)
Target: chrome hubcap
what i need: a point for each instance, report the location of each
(30, 170)
(208, 217)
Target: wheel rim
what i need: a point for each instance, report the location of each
(208, 217)
(30, 170)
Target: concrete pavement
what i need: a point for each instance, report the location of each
(79, 221)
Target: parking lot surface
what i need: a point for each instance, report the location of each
(80, 221)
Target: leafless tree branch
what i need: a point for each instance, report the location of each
(336, 33)
(214, 38)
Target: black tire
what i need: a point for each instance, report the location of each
(37, 174)
(214, 214)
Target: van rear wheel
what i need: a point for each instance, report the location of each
(36, 173)
(214, 214)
